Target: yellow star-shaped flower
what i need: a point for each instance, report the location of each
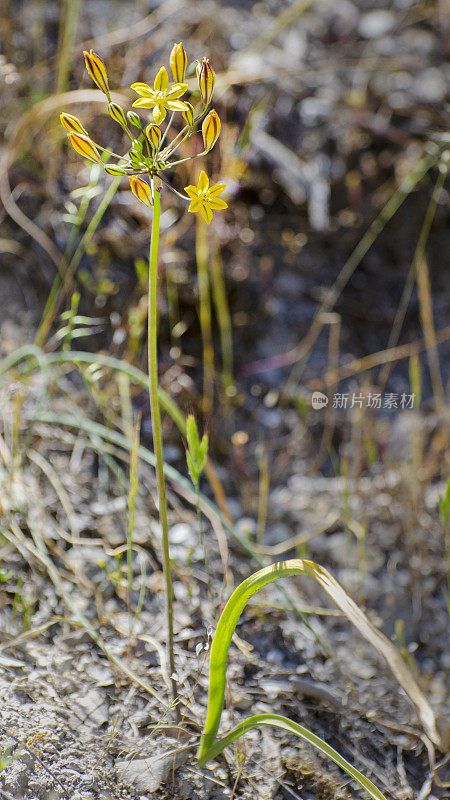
(160, 98)
(205, 198)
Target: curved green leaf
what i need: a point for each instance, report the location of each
(229, 619)
(293, 727)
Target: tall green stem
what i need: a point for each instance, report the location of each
(156, 426)
(204, 297)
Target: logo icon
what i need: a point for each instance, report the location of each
(319, 400)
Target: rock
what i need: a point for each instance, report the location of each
(376, 23)
(16, 779)
(89, 707)
(147, 774)
(430, 86)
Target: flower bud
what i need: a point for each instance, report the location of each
(84, 146)
(72, 124)
(141, 190)
(135, 156)
(210, 130)
(206, 78)
(97, 71)
(111, 169)
(178, 62)
(134, 119)
(188, 114)
(118, 114)
(153, 134)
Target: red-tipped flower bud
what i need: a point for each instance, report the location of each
(141, 190)
(206, 78)
(84, 146)
(153, 134)
(72, 124)
(210, 130)
(97, 71)
(178, 62)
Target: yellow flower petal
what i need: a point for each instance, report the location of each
(203, 182)
(176, 91)
(177, 105)
(206, 213)
(195, 205)
(217, 189)
(191, 191)
(143, 89)
(144, 102)
(159, 113)
(216, 203)
(161, 81)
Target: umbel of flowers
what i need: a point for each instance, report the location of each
(151, 150)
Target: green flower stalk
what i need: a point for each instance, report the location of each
(151, 152)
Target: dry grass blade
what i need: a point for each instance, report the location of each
(35, 358)
(398, 353)
(382, 645)
(426, 316)
(300, 538)
(39, 551)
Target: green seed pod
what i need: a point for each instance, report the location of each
(111, 169)
(134, 119)
(118, 114)
(136, 158)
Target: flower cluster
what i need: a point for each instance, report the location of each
(151, 152)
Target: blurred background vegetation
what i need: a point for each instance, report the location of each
(329, 271)
(326, 109)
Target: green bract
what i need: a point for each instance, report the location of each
(197, 452)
